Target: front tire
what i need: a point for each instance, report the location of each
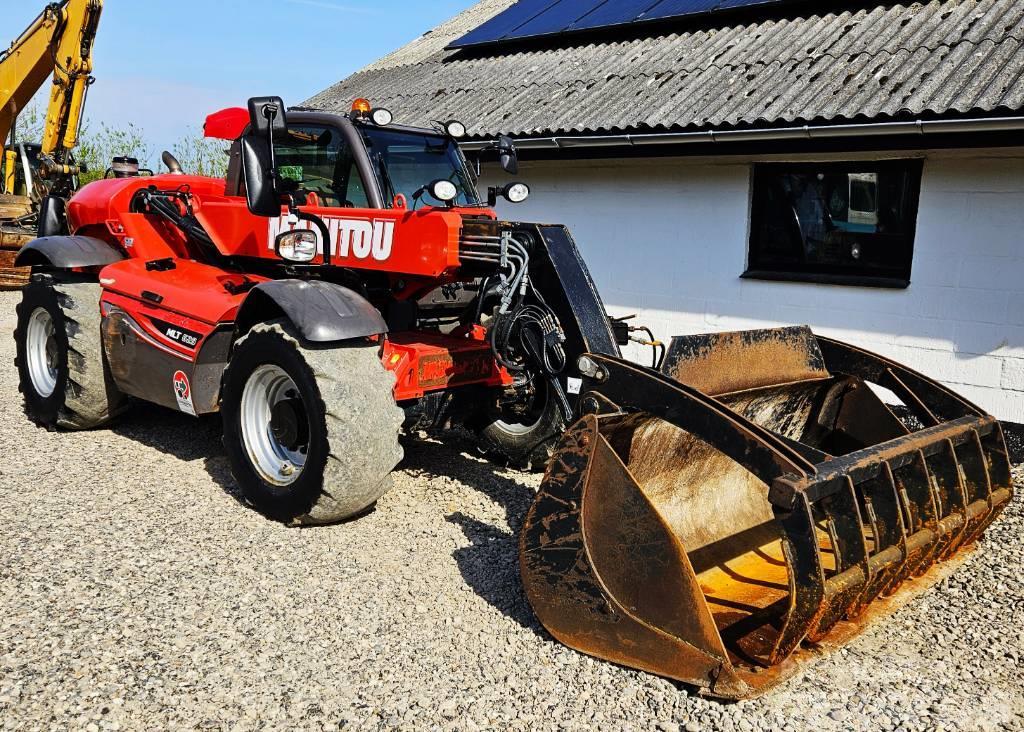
(311, 431)
(62, 369)
(523, 437)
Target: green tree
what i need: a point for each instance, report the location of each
(200, 155)
(30, 123)
(97, 150)
(98, 145)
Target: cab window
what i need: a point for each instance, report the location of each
(406, 161)
(316, 159)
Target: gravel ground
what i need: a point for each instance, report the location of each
(136, 592)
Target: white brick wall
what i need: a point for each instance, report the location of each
(667, 239)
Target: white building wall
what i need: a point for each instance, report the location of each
(667, 239)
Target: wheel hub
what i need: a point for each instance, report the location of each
(289, 424)
(275, 425)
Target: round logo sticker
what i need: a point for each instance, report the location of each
(183, 393)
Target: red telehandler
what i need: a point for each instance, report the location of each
(714, 521)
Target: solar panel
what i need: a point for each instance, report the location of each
(557, 17)
(615, 13)
(503, 24)
(537, 18)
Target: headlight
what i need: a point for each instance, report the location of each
(855, 251)
(455, 129)
(444, 190)
(297, 246)
(382, 117)
(517, 192)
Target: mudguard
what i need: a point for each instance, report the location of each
(67, 252)
(323, 312)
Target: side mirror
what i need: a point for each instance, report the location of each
(508, 155)
(267, 118)
(260, 185)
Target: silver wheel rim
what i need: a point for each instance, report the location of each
(41, 352)
(273, 461)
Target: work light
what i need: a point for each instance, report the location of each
(455, 129)
(517, 192)
(296, 246)
(444, 190)
(382, 117)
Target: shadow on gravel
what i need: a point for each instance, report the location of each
(490, 565)
(1014, 434)
(183, 437)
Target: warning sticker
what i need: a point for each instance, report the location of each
(183, 393)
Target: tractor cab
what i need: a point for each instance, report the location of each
(361, 160)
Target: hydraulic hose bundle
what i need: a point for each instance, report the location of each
(525, 335)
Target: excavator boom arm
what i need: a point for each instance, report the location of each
(58, 42)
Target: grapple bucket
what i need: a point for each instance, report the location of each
(718, 522)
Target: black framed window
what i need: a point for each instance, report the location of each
(839, 223)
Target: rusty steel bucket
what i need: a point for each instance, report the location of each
(724, 520)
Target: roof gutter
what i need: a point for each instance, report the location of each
(805, 132)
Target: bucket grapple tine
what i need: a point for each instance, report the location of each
(849, 553)
(950, 497)
(807, 577)
(916, 488)
(717, 522)
(974, 472)
(889, 556)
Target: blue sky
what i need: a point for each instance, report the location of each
(165, 65)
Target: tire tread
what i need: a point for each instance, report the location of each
(363, 424)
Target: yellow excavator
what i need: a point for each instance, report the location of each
(37, 176)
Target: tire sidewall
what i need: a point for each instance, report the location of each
(283, 503)
(40, 294)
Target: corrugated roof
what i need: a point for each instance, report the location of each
(944, 57)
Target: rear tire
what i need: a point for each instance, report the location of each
(62, 368)
(311, 432)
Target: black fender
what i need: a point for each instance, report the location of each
(65, 252)
(323, 312)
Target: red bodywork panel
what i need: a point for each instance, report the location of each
(177, 310)
(422, 243)
(227, 124)
(399, 241)
(191, 289)
(426, 362)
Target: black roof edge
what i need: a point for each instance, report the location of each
(860, 119)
